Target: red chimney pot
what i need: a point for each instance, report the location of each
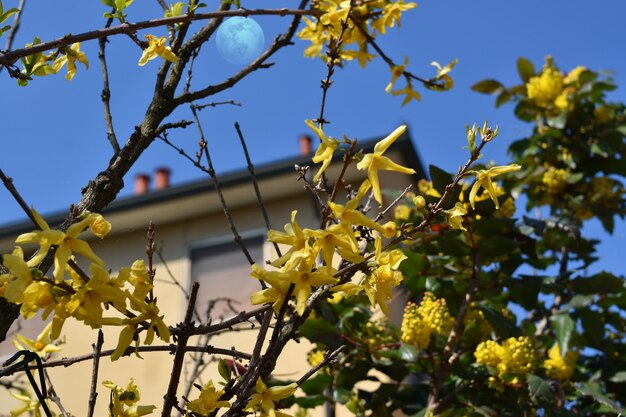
(162, 178)
(142, 183)
(305, 144)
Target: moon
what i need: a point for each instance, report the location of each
(239, 40)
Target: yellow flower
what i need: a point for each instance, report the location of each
(396, 72)
(555, 180)
(70, 56)
(303, 279)
(156, 47)
(426, 187)
(384, 277)
(325, 151)
(455, 216)
(419, 323)
(512, 356)
(265, 397)
(275, 294)
(483, 179)
(391, 15)
(99, 226)
(409, 92)
(20, 275)
(124, 401)
(402, 212)
(350, 216)
(42, 345)
(373, 162)
(28, 405)
(208, 400)
(546, 87)
(66, 243)
(558, 366)
(294, 237)
(326, 241)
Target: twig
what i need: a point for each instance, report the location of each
(216, 103)
(8, 58)
(227, 324)
(329, 357)
(256, 185)
(179, 356)
(52, 394)
(93, 394)
(447, 357)
(393, 203)
(106, 92)
(15, 27)
(211, 171)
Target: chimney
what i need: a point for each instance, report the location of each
(142, 183)
(305, 144)
(162, 178)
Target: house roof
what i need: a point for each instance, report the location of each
(230, 180)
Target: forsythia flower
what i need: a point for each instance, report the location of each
(42, 345)
(266, 397)
(384, 277)
(483, 179)
(426, 187)
(396, 72)
(325, 151)
(545, 88)
(28, 405)
(558, 366)
(512, 356)
(455, 216)
(402, 212)
(208, 400)
(156, 47)
(373, 162)
(66, 243)
(124, 401)
(70, 56)
(420, 322)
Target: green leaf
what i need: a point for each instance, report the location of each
(487, 86)
(4, 29)
(564, 327)
(504, 97)
(4, 16)
(321, 331)
(593, 390)
(310, 401)
(440, 178)
(224, 369)
(317, 384)
(496, 246)
(619, 377)
(540, 391)
(525, 69)
(502, 326)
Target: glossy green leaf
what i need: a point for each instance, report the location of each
(487, 86)
(440, 178)
(317, 384)
(525, 69)
(593, 390)
(564, 327)
(540, 391)
(224, 369)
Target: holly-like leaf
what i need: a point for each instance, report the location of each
(488, 86)
(540, 391)
(525, 69)
(593, 390)
(564, 327)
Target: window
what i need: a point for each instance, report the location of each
(223, 272)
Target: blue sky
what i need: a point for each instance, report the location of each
(53, 134)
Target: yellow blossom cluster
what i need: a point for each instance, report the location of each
(554, 180)
(551, 89)
(308, 261)
(369, 18)
(558, 366)
(516, 356)
(124, 400)
(419, 323)
(73, 292)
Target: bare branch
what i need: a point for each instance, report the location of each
(11, 57)
(93, 394)
(106, 92)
